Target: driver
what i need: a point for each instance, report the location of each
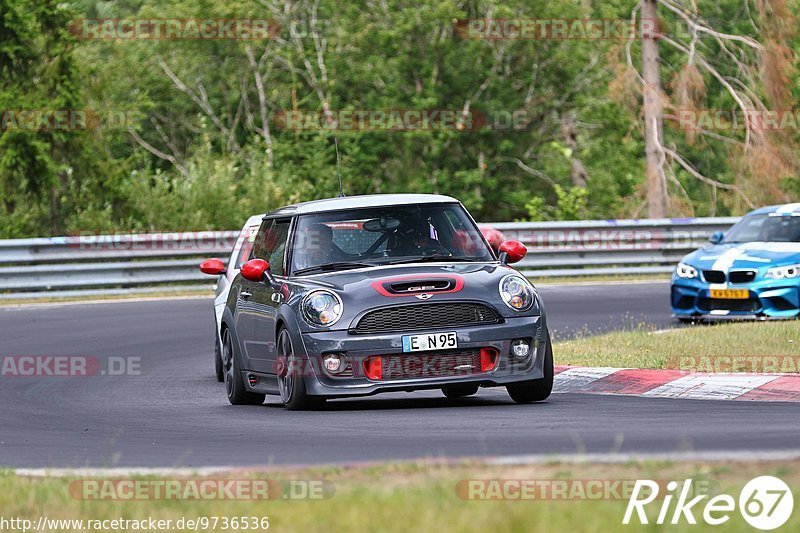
(419, 238)
(317, 247)
(781, 230)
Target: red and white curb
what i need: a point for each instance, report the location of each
(678, 384)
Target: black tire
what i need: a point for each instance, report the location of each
(684, 320)
(292, 386)
(536, 390)
(219, 369)
(234, 384)
(459, 391)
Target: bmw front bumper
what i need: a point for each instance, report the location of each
(768, 298)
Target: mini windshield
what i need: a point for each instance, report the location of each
(387, 235)
(765, 228)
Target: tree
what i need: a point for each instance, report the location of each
(749, 75)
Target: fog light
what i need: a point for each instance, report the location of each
(334, 363)
(520, 348)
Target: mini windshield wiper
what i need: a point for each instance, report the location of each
(326, 267)
(432, 258)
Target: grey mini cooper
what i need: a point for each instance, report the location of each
(367, 294)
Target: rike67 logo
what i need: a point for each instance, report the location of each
(766, 503)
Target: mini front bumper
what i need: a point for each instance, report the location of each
(768, 299)
(508, 369)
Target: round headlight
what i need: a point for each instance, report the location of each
(322, 308)
(516, 292)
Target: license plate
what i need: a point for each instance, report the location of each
(730, 294)
(430, 341)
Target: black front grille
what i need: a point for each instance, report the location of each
(425, 316)
(444, 364)
(742, 276)
(720, 304)
(714, 276)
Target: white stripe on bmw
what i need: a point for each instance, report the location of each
(788, 209)
(724, 263)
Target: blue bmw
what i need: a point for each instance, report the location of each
(752, 271)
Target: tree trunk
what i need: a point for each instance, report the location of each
(569, 129)
(653, 114)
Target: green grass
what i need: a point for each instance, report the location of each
(644, 348)
(415, 497)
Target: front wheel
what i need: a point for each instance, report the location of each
(291, 383)
(536, 390)
(234, 384)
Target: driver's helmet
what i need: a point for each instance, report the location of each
(417, 228)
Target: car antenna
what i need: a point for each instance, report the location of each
(338, 170)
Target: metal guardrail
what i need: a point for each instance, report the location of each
(94, 264)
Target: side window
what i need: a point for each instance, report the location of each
(271, 244)
(248, 237)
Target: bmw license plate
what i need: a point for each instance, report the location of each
(730, 294)
(430, 341)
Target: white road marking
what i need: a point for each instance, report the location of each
(576, 379)
(711, 386)
(780, 455)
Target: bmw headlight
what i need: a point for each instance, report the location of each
(784, 272)
(516, 292)
(686, 271)
(322, 308)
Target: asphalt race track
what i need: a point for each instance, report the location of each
(175, 414)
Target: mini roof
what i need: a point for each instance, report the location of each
(355, 202)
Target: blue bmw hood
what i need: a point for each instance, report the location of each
(745, 255)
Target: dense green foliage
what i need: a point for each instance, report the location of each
(194, 152)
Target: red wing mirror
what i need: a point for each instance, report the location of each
(213, 267)
(515, 251)
(255, 269)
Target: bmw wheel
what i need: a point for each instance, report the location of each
(536, 390)
(234, 384)
(291, 383)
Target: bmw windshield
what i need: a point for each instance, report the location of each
(765, 228)
(387, 235)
